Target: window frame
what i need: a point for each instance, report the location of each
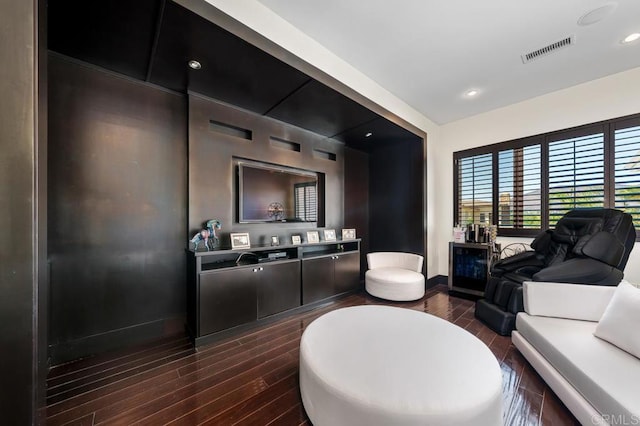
(610, 162)
(456, 182)
(521, 144)
(606, 127)
(582, 131)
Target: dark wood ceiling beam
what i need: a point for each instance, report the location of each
(156, 37)
(366, 123)
(293, 92)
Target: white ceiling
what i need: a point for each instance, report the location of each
(429, 53)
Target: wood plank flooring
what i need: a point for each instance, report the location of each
(252, 378)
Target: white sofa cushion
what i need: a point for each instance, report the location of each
(620, 324)
(561, 300)
(607, 377)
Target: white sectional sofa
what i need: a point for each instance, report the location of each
(596, 380)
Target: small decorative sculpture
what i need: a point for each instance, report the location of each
(207, 234)
(275, 210)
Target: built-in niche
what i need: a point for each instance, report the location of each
(240, 179)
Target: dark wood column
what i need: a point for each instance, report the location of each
(20, 247)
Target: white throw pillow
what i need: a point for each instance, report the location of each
(620, 322)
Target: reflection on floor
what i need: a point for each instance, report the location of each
(252, 377)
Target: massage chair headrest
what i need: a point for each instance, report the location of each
(570, 230)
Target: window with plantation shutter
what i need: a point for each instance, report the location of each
(627, 171)
(576, 174)
(519, 193)
(528, 184)
(475, 189)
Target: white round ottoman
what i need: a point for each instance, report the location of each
(379, 365)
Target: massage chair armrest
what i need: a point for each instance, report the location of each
(517, 261)
(562, 300)
(579, 271)
(517, 258)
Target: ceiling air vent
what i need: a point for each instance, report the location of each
(528, 57)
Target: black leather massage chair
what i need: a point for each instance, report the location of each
(587, 246)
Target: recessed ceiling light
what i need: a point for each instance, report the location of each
(631, 37)
(368, 135)
(597, 15)
(193, 64)
(471, 93)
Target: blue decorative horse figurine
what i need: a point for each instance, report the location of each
(207, 234)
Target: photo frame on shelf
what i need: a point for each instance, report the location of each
(296, 239)
(329, 234)
(349, 234)
(313, 237)
(240, 240)
(275, 240)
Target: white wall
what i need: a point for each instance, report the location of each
(610, 97)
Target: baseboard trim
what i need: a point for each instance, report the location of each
(114, 339)
(437, 280)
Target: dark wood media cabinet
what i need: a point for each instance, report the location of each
(232, 289)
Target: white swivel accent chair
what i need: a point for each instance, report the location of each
(395, 276)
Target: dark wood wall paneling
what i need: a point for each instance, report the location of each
(117, 209)
(118, 187)
(20, 249)
(356, 200)
(119, 198)
(212, 181)
(107, 280)
(396, 196)
(42, 302)
(121, 208)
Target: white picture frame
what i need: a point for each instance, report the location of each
(349, 234)
(330, 235)
(313, 237)
(296, 240)
(240, 240)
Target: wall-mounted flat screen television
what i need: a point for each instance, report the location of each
(269, 193)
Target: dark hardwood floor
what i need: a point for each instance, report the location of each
(252, 378)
